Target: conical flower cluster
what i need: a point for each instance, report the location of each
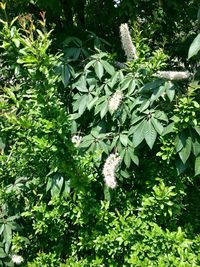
(127, 43)
(115, 101)
(173, 75)
(109, 169)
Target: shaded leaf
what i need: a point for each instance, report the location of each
(197, 165)
(186, 150)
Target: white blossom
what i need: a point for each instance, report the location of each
(17, 259)
(173, 75)
(76, 140)
(115, 101)
(127, 43)
(116, 3)
(110, 166)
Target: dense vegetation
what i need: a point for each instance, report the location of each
(100, 133)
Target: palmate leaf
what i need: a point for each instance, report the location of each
(150, 133)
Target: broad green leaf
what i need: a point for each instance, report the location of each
(83, 104)
(107, 195)
(2, 145)
(16, 42)
(108, 67)
(65, 74)
(91, 63)
(168, 129)
(124, 174)
(135, 119)
(186, 150)
(134, 157)
(138, 135)
(125, 83)
(98, 67)
(197, 165)
(2, 228)
(198, 14)
(150, 86)
(196, 148)
(57, 184)
(180, 141)
(123, 139)
(49, 184)
(81, 84)
(103, 146)
(104, 109)
(197, 129)
(144, 105)
(150, 134)
(160, 115)
(194, 47)
(122, 153)
(2, 253)
(7, 233)
(180, 167)
(92, 103)
(157, 92)
(157, 125)
(171, 92)
(132, 87)
(114, 142)
(114, 80)
(127, 158)
(67, 187)
(86, 141)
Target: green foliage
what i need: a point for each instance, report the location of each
(35, 129)
(55, 208)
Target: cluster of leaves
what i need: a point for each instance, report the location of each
(55, 210)
(158, 109)
(37, 157)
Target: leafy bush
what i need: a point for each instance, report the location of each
(55, 208)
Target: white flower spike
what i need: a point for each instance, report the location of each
(173, 75)
(109, 169)
(127, 43)
(115, 101)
